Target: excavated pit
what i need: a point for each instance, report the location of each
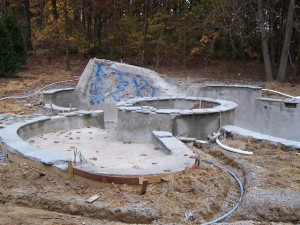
(137, 136)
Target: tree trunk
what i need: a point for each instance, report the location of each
(144, 47)
(54, 10)
(27, 26)
(40, 20)
(264, 42)
(83, 15)
(67, 35)
(4, 7)
(297, 59)
(272, 42)
(281, 77)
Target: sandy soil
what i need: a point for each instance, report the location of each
(271, 177)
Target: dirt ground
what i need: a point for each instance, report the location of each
(271, 176)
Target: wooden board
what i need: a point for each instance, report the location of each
(93, 198)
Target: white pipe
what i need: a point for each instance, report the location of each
(187, 139)
(35, 93)
(280, 93)
(232, 149)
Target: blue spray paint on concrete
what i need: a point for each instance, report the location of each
(112, 84)
(96, 98)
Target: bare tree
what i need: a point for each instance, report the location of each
(27, 27)
(286, 43)
(54, 10)
(66, 35)
(264, 41)
(144, 45)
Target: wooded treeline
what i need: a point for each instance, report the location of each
(161, 32)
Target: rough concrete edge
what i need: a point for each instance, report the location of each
(248, 133)
(287, 100)
(54, 91)
(222, 106)
(234, 86)
(58, 108)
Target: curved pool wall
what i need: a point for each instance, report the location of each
(13, 141)
(137, 118)
(13, 137)
(105, 83)
(275, 117)
(65, 100)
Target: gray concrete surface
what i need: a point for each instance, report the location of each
(275, 117)
(53, 140)
(244, 95)
(137, 118)
(12, 137)
(105, 155)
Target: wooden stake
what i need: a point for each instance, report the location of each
(187, 170)
(70, 168)
(144, 186)
(249, 140)
(39, 171)
(93, 198)
(279, 145)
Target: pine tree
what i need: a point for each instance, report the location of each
(15, 32)
(12, 47)
(8, 66)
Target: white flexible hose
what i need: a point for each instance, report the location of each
(280, 93)
(35, 93)
(232, 149)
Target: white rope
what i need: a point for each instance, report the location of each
(280, 93)
(35, 93)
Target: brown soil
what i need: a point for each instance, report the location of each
(37, 73)
(206, 189)
(272, 180)
(26, 197)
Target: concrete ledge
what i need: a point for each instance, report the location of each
(234, 86)
(170, 104)
(247, 133)
(54, 91)
(58, 108)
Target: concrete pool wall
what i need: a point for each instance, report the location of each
(275, 117)
(15, 143)
(137, 118)
(13, 138)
